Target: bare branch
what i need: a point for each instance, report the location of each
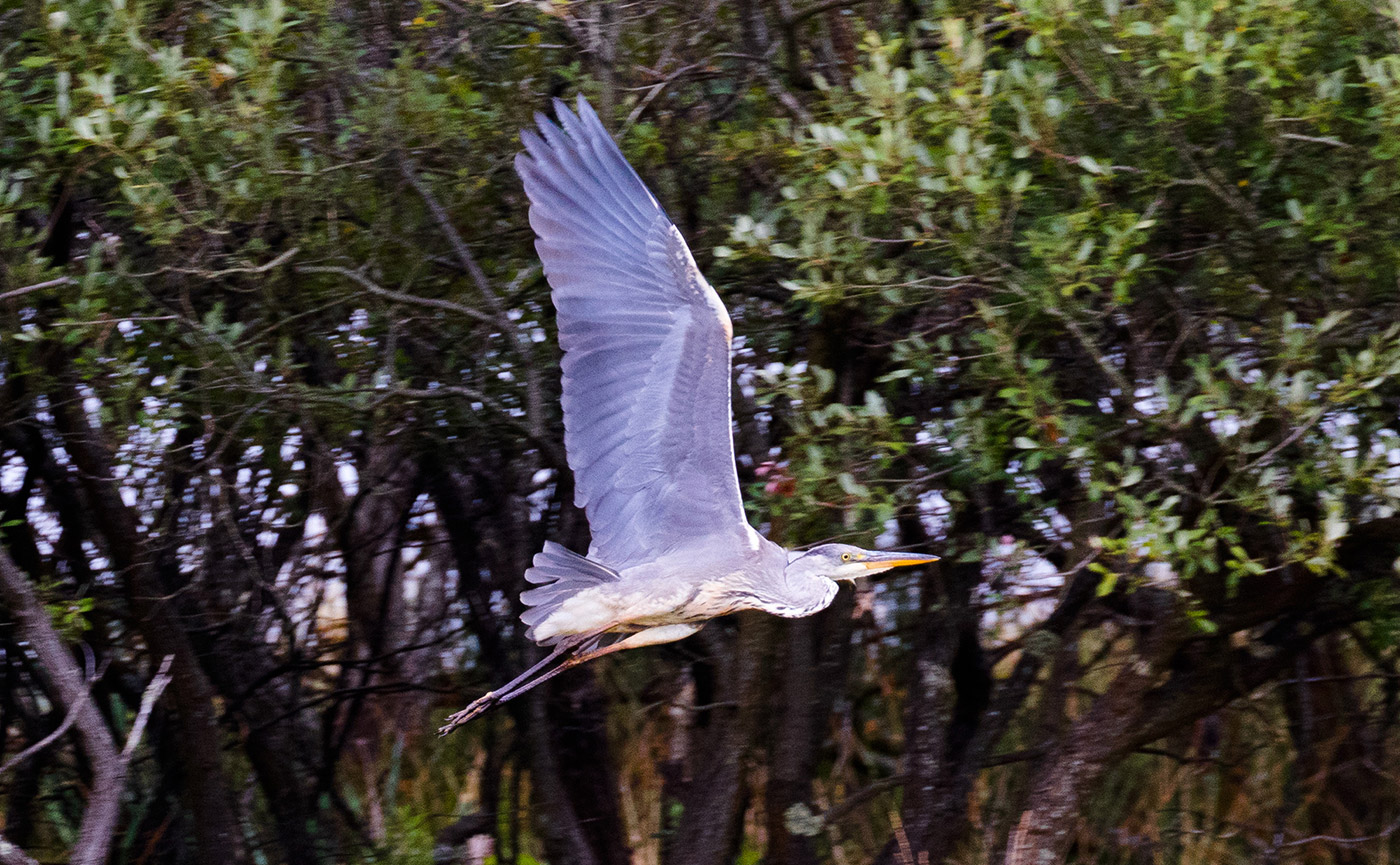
(369, 285)
(57, 734)
(803, 14)
(68, 687)
(409, 169)
(534, 392)
(1346, 842)
(1316, 139)
(149, 698)
(38, 286)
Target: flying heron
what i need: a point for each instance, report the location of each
(647, 427)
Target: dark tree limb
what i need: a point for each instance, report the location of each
(713, 800)
(70, 689)
(154, 616)
(1069, 773)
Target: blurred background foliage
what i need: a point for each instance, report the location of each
(1098, 300)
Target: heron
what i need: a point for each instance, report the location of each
(648, 428)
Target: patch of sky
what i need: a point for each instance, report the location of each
(423, 511)
(1148, 401)
(12, 474)
(1019, 589)
(934, 512)
(96, 560)
(539, 497)
(359, 321)
(1338, 427)
(291, 443)
(1224, 425)
(349, 477)
(45, 526)
(1026, 482)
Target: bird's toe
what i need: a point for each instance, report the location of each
(479, 705)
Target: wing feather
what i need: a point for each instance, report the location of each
(646, 398)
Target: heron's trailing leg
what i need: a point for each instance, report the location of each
(518, 685)
(582, 645)
(585, 653)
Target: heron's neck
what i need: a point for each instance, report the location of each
(805, 591)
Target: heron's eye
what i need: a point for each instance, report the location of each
(845, 557)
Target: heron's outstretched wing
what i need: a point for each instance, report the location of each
(646, 350)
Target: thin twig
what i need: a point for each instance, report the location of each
(534, 389)
(409, 169)
(67, 686)
(246, 268)
(1346, 842)
(38, 286)
(48, 740)
(1316, 139)
(374, 288)
(654, 90)
(860, 797)
(149, 698)
(803, 14)
(1292, 437)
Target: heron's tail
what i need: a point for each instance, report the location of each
(559, 574)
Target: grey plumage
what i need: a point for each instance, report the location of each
(647, 426)
(646, 349)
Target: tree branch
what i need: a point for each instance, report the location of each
(378, 290)
(534, 393)
(68, 687)
(38, 286)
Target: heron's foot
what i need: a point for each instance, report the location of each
(479, 705)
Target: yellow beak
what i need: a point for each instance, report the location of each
(897, 560)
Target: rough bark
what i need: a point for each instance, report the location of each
(579, 734)
(1046, 828)
(714, 798)
(792, 756)
(556, 818)
(947, 701)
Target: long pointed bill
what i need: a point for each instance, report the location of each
(885, 561)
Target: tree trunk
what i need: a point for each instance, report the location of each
(714, 799)
(794, 738)
(1046, 829)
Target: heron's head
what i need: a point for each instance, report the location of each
(845, 562)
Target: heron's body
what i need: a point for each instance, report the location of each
(684, 587)
(647, 426)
